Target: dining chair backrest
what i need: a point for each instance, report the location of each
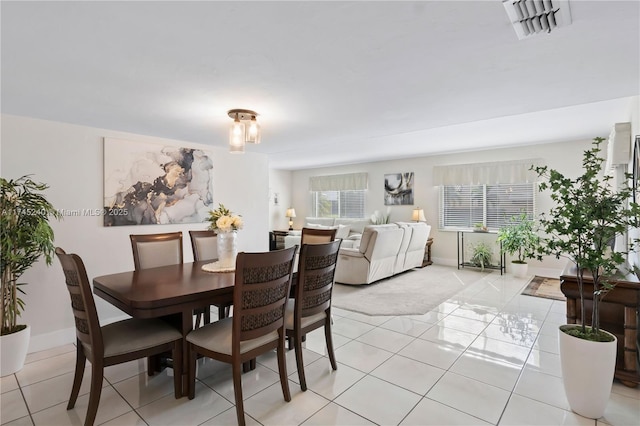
(153, 250)
(261, 290)
(317, 236)
(82, 303)
(115, 343)
(204, 245)
(316, 272)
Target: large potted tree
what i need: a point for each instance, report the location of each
(588, 214)
(26, 236)
(519, 239)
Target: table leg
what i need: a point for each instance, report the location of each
(186, 325)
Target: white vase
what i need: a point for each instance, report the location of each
(587, 372)
(13, 351)
(519, 270)
(227, 249)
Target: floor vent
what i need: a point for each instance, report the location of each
(532, 17)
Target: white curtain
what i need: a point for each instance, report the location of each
(486, 173)
(345, 182)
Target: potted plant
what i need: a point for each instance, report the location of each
(482, 255)
(479, 227)
(519, 238)
(26, 235)
(589, 213)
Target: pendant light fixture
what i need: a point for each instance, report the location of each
(244, 129)
(236, 136)
(253, 131)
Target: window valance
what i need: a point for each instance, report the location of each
(486, 173)
(344, 182)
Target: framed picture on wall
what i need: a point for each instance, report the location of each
(398, 189)
(152, 184)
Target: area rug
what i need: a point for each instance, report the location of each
(414, 292)
(548, 288)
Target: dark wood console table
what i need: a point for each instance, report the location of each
(426, 260)
(618, 315)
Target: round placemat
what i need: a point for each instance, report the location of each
(216, 267)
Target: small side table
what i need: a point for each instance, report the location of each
(277, 242)
(426, 261)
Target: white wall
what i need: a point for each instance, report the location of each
(69, 159)
(634, 118)
(564, 156)
(280, 184)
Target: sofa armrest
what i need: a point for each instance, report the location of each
(350, 252)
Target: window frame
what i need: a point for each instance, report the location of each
(530, 206)
(339, 199)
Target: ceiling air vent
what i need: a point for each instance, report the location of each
(531, 17)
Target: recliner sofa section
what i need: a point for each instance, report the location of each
(385, 250)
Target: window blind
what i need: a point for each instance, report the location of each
(463, 206)
(348, 204)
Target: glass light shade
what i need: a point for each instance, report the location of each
(253, 131)
(418, 215)
(236, 137)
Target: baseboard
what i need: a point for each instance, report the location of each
(444, 261)
(42, 342)
(54, 339)
(545, 272)
(540, 271)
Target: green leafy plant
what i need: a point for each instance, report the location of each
(519, 238)
(482, 255)
(589, 213)
(26, 235)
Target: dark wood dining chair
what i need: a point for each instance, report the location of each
(204, 246)
(317, 236)
(153, 250)
(261, 289)
(114, 343)
(311, 306)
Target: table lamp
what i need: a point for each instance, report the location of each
(418, 215)
(291, 213)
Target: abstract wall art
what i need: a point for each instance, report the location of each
(147, 184)
(398, 189)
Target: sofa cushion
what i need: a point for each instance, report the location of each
(369, 232)
(324, 221)
(342, 232)
(357, 225)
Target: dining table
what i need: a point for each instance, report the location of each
(168, 292)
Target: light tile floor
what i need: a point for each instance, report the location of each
(486, 356)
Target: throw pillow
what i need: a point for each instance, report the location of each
(295, 233)
(342, 232)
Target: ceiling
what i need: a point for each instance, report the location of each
(334, 82)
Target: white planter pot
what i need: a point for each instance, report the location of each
(587, 372)
(519, 269)
(13, 351)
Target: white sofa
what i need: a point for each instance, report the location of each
(349, 230)
(384, 250)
